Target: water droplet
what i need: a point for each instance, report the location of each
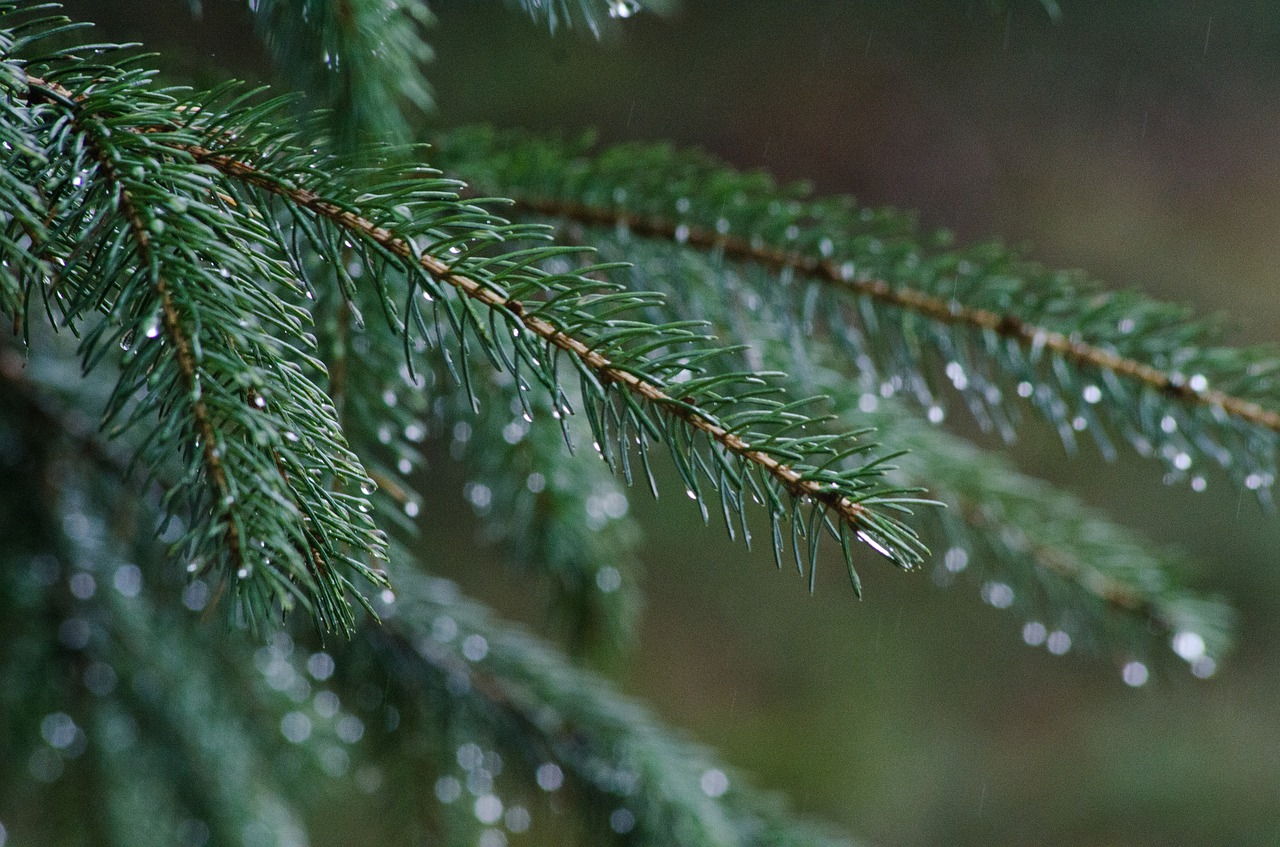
(956, 559)
(488, 809)
(1204, 667)
(549, 776)
(517, 819)
(998, 594)
(1034, 633)
(411, 508)
(1058, 642)
(83, 585)
(1135, 674)
(475, 647)
(714, 782)
(623, 9)
(1198, 382)
(936, 414)
(1182, 461)
(1168, 424)
(536, 482)
(1188, 645)
(682, 234)
(480, 495)
(1092, 394)
(608, 579)
(622, 821)
(1025, 389)
(448, 789)
(691, 494)
(295, 727)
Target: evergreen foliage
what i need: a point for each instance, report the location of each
(269, 328)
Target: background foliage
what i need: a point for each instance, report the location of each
(1126, 140)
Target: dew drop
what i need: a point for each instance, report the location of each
(623, 9)
(956, 559)
(1188, 645)
(1058, 642)
(1135, 674)
(622, 821)
(714, 782)
(549, 776)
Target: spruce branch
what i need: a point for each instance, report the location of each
(780, 455)
(181, 287)
(363, 59)
(1078, 353)
(1035, 549)
(542, 711)
(553, 317)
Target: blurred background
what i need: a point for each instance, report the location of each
(1136, 139)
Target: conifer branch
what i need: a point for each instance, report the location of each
(897, 301)
(1037, 550)
(829, 271)
(543, 710)
(608, 372)
(883, 535)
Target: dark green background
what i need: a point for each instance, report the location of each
(1137, 140)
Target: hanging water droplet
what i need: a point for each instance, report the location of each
(682, 234)
(1058, 642)
(623, 8)
(1135, 674)
(1188, 645)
